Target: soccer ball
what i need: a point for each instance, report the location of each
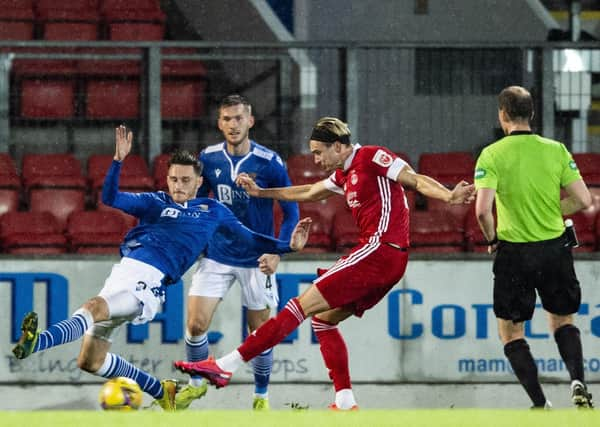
(120, 394)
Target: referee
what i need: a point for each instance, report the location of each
(524, 173)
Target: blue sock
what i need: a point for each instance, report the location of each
(196, 349)
(262, 365)
(115, 366)
(65, 331)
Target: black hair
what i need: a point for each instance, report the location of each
(184, 157)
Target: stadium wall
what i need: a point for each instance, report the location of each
(435, 326)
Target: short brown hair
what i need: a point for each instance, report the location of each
(233, 100)
(516, 102)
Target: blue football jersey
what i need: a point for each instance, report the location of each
(171, 236)
(268, 170)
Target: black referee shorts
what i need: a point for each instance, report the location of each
(522, 268)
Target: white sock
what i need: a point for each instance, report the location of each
(230, 362)
(86, 315)
(344, 399)
(262, 395)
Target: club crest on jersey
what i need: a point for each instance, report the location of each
(382, 158)
(170, 212)
(353, 179)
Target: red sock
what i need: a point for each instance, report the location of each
(273, 331)
(334, 351)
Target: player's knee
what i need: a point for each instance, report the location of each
(197, 325)
(87, 363)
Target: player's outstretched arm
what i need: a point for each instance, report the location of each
(429, 187)
(123, 141)
(295, 193)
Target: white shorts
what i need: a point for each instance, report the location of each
(213, 280)
(133, 292)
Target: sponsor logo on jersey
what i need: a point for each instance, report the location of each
(351, 199)
(382, 158)
(225, 194)
(479, 173)
(170, 212)
(573, 165)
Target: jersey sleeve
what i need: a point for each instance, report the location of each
(485, 171)
(333, 184)
(280, 178)
(385, 162)
(132, 203)
(255, 244)
(570, 171)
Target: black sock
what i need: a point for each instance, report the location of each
(569, 346)
(522, 362)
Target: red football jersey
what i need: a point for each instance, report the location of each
(378, 202)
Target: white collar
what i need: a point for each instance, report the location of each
(348, 161)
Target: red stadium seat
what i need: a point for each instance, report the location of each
(435, 231)
(448, 168)
(134, 173)
(112, 99)
(459, 212)
(77, 31)
(302, 169)
(52, 170)
(97, 232)
(132, 10)
(135, 31)
(31, 233)
(68, 19)
(589, 167)
(67, 10)
(134, 20)
(16, 30)
(345, 233)
(160, 168)
(59, 202)
(16, 20)
(183, 99)
(54, 183)
(49, 99)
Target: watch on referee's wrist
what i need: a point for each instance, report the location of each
(493, 241)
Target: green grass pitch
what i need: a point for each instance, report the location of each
(306, 418)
